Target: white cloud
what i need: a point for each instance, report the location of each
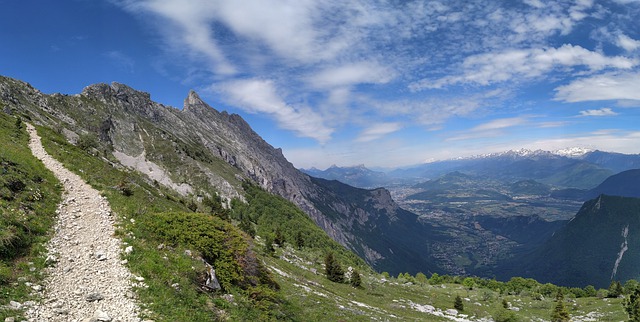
(377, 131)
(351, 74)
(489, 68)
(186, 28)
(627, 43)
(606, 111)
(494, 128)
(121, 60)
(500, 124)
(618, 86)
(260, 96)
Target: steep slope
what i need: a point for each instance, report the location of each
(601, 243)
(385, 235)
(624, 184)
(197, 151)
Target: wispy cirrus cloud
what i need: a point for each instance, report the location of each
(261, 96)
(605, 111)
(518, 64)
(377, 131)
(121, 60)
(489, 129)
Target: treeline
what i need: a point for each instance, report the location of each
(519, 285)
(278, 222)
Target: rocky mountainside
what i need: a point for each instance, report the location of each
(598, 245)
(200, 151)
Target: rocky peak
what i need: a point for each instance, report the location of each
(194, 101)
(118, 92)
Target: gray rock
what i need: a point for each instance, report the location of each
(94, 297)
(451, 312)
(10, 319)
(15, 305)
(101, 316)
(212, 281)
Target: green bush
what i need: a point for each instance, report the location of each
(87, 142)
(221, 244)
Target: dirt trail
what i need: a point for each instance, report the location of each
(87, 280)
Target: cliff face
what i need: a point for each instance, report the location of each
(198, 147)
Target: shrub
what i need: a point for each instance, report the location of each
(221, 244)
(505, 315)
(632, 306)
(87, 142)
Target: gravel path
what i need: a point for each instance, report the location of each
(87, 280)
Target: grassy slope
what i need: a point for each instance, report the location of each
(29, 194)
(304, 295)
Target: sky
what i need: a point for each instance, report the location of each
(381, 83)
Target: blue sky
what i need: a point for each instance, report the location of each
(380, 83)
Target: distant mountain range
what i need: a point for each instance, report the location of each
(357, 176)
(577, 168)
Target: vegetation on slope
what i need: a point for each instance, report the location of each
(168, 239)
(29, 194)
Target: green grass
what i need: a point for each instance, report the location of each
(29, 194)
(153, 215)
(317, 299)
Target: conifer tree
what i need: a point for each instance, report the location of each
(333, 269)
(356, 280)
(268, 245)
(560, 313)
(457, 303)
(299, 240)
(279, 237)
(632, 306)
(615, 289)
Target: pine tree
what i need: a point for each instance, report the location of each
(333, 269)
(632, 306)
(268, 245)
(560, 313)
(615, 289)
(279, 237)
(457, 303)
(299, 240)
(356, 280)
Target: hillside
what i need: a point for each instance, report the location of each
(623, 184)
(197, 151)
(598, 245)
(171, 232)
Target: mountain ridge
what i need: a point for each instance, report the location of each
(197, 146)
